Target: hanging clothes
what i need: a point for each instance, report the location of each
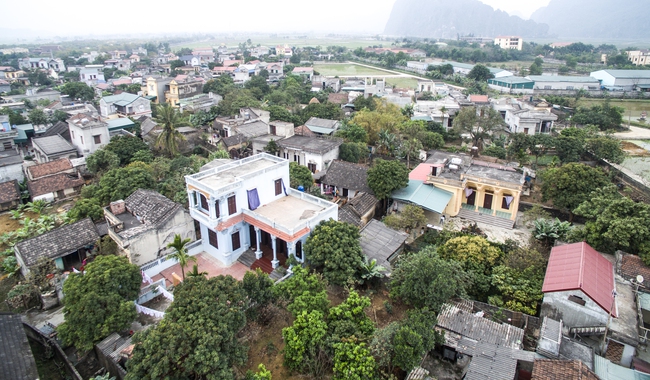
(145, 278)
(253, 199)
(468, 192)
(509, 200)
(151, 312)
(165, 293)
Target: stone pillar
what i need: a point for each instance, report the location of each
(275, 261)
(192, 198)
(258, 238)
(212, 203)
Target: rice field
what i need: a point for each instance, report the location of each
(633, 107)
(348, 69)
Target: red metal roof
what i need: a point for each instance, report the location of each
(421, 172)
(579, 267)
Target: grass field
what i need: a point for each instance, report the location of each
(334, 69)
(402, 82)
(633, 107)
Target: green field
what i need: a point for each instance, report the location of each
(350, 69)
(323, 42)
(633, 107)
(402, 82)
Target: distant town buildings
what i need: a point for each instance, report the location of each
(509, 42)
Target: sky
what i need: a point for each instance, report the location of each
(86, 18)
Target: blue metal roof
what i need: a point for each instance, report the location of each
(605, 369)
(423, 195)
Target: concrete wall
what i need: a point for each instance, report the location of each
(83, 140)
(556, 305)
(148, 246)
(10, 172)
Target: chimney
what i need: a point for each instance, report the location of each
(118, 207)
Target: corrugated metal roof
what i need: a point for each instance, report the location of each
(580, 267)
(627, 73)
(562, 78)
(607, 370)
(380, 242)
(423, 195)
(550, 338)
(119, 123)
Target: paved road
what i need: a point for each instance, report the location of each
(635, 133)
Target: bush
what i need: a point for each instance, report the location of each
(495, 151)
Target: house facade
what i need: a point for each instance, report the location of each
(124, 105)
(181, 88)
(88, 133)
(313, 152)
(509, 42)
(144, 223)
(639, 57)
(248, 203)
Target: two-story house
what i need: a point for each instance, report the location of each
(248, 203)
(124, 105)
(313, 152)
(182, 87)
(87, 133)
(91, 76)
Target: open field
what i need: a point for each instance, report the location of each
(402, 82)
(347, 69)
(633, 107)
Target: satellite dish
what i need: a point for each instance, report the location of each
(639, 279)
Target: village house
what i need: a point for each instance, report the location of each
(248, 203)
(10, 159)
(322, 126)
(9, 195)
(524, 117)
(52, 148)
(509, 42)
(278, 130)
(154, 88)
(313, 152)
(480, 191)
(182, 87)
(345, 180)
(54, 180)
(88, 133)
(359, 210)
(67, 245)
(144, 223)
(124, 105)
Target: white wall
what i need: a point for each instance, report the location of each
(558, 306)
(87, 146)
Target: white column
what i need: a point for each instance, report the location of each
(258, 239)
(192, 198)
(275, 261)
(291, 248)
(212, 203)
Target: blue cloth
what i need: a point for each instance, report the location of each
(253, 199)
(284, 188)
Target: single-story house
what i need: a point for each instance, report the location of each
(53, 147)
(345, 179)
(53, 180)
(312, 152)
(66, 245)
(359, 210)
(9, 195)
(145, 222)
(381, 243)
(322, 126)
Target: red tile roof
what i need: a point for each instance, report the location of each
(547, 369)
(478, 98)
(632, 266)
(579, 267)
(54, 183)
(9, 191)
(50, 168)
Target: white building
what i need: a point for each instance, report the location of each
(313, 152)
(248, 203)
(639, 57)
(124, 105)
(87, 133)
(525, 118)
(509, 42)
(559, 82)
(623, 80)
(91, 76)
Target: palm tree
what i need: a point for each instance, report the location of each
(370, 271)
(170, 119)
(180, 252)
(38, 206)
(195, 272)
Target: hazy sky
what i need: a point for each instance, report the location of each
(84, 18)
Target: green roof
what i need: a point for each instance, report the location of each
(121, 99)
(605, 369)
(423, 195)
(562, 78)
(22, 136)
(321, 130)
(511, 80)
(121, 123)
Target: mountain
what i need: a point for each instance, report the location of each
(448, 18)
(605, 19)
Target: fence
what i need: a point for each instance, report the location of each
(152, 268)
(38, 336)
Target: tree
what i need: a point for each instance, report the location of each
(258, 288)
(548, 231)
(353, 361)
(569, 148)
(349, 319)
(119, 183)
(519, 290)
(334, 248)
(480, 73)
(352, 151)
(261, 374)
(410, 147)
(303, 291)
(197, 338)
(424, 279)
(37, 116)
(353, 133)
(387, 176)
(15, 117)
(125, 147)
(84, 208)
(479, 124)
(411, 217)
(304, 339)
(606, 148)
(272, 148)
(108, 287)
(616, 222)
(603, 116)
(570, 185)
(385, 117)
(180, 252)
(495, 151)
(170, 119)
(300, 176)
(236, 99)
(78, 90)
(102, 160)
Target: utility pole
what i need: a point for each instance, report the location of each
(609, 320)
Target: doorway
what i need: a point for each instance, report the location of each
(471, 200)
(487, 201)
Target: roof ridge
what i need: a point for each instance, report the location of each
(582, 265)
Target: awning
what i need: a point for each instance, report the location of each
(120, 123)
(321, 130)
(423, 195)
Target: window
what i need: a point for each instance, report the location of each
(312, 167)
(204, 202)
(82, 139)
(504, 202)
(232, 205)
(569, 87)
(296, 158)
(577, 300)
(272, 129)
(217, 213)
(299, 249)
(7, 145)
(278, 186)
(236, 244)
(212, 238)
(72, 132)
(98, 139)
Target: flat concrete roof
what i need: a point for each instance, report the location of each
(228, 176)
(289, 211)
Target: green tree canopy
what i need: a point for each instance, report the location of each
(604, 116)
(170, 119)
(480, 73)
(387, 176)
(197, 338)
(424, 279)
(334, 248)
(78, 90)
(125, 147)
(37, 116)
(119, 183)
(352, 151)
(99, 301)
(300, 175)
(570, 185)
(102, 160)
(84, 208)
(606, 148)
(478, 123)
